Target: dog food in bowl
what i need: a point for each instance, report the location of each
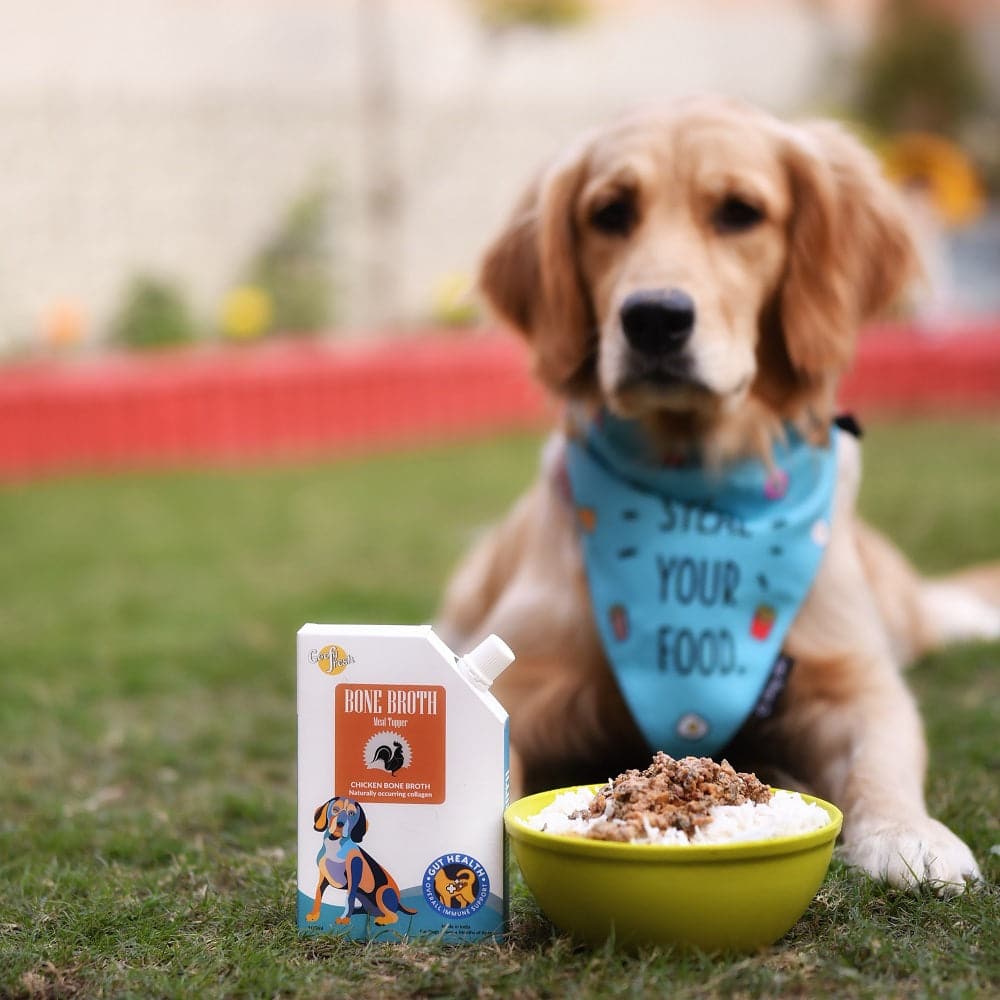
(686, 853)
(689, 801)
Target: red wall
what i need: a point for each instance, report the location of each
(288, 399)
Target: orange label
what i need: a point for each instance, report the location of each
(389, 742)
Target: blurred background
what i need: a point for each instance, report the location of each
(201, 172)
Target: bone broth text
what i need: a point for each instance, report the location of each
(398, 701)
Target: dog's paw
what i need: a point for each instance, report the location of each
(909, 855)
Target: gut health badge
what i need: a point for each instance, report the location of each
(456, 886)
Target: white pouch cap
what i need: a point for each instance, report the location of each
(488, 660)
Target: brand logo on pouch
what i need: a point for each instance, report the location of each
(456, 886)
(331, 659)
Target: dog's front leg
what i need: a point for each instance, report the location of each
(850, 724)
(313, 915)
(853, 728)
(353, 875)
(858, 729)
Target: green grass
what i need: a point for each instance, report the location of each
(147, 735)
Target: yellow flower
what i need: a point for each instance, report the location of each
(933, 162)
(246, 313)
(453, 303)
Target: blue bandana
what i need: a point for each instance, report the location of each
(695, 576)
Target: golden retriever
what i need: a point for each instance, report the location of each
(700, 271)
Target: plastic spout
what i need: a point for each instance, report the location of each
(484, 664)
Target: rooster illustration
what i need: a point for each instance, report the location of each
(392, 760)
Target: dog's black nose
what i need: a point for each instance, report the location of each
(658, 321)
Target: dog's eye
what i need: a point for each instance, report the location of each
(614, 217)
(734, 215)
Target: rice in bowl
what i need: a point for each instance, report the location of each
(680, 802)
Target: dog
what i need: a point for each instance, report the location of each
(344, 865)
(455, 891)
(690, 281)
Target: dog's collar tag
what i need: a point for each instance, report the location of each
(696, 576)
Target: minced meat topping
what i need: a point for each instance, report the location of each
(669, 793)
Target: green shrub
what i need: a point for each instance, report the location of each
(919, 72)
(153, 313)
(293, 268)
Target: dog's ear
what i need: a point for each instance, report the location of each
(530, 274)
(850, 249)
(360, 827)
(320, 817)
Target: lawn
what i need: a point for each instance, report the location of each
(147, 716)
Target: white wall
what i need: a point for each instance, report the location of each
(170, 135)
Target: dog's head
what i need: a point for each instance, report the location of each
(701, 266)
(341, 817)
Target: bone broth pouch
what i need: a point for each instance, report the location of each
(403, 779)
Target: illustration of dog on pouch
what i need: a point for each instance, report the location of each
(345, 865)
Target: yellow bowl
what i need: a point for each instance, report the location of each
(714, 897)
